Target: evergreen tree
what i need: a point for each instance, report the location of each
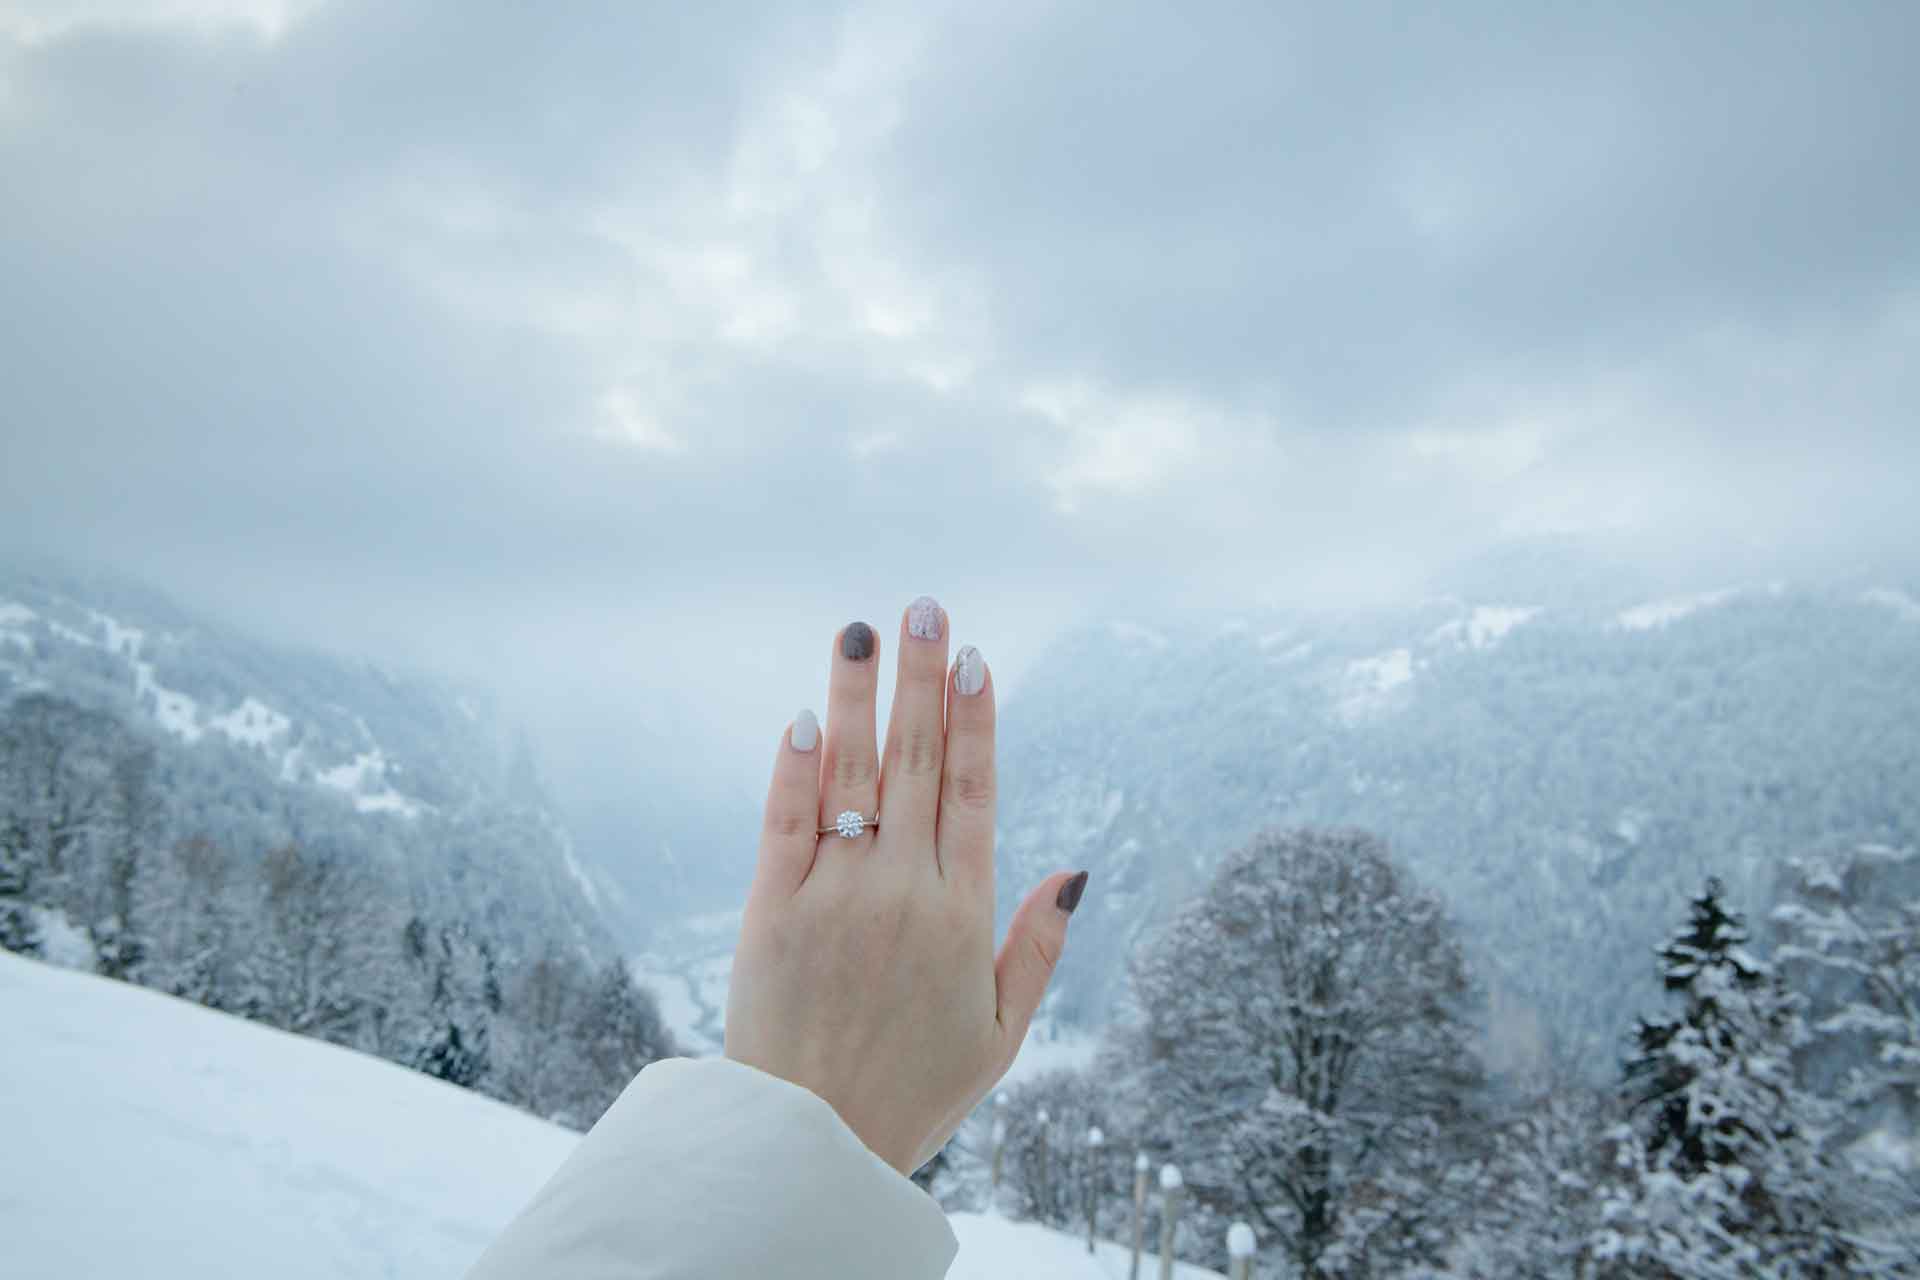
(619, 1030)
(1848, 929)
(1721, 1168)
(464, 997)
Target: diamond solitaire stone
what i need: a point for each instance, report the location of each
(850, 824)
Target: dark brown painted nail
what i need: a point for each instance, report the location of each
(856, 642)
(1070, 893)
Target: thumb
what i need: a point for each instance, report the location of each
(1032, 948)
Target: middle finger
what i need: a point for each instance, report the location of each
(850, 774)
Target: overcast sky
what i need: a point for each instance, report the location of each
(633, 348)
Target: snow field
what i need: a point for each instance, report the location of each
(148, 1136)
(161, 1139)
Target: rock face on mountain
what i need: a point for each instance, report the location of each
(257, 747)
(1565, 776)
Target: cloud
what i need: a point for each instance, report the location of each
(39, 22)
(402, 323)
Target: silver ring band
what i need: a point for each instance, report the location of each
(850, 824)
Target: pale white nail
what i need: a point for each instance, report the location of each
(806, 731)
(924, 619)
(969, 670)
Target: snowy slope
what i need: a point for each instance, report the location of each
(257, 745)
(1562, 770)
(166, 1140)
(147, 1136)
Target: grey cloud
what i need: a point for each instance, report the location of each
(612, 334)
(1458, 176)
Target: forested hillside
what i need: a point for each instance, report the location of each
(321, 846)
(1560, 775)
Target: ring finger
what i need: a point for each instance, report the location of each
(850, 776)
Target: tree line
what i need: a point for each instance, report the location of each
(1303, 1040)
(311, 933)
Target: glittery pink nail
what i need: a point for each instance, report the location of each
(924, 619)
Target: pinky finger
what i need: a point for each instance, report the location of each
(788, 836)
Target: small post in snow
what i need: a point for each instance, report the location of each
(1095, 1141)
(1140, 1167)
(999, 1143)
(1171, 1186)
(1239, 1251)
(1045, 1198)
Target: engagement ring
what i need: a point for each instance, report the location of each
(850, 824)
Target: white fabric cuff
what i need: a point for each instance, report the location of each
(710, 1168)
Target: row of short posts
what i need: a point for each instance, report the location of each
(1173, 1190)
(1240, 1238)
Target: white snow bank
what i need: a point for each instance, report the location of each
(1660, 613)
(364, 778)
(1485, 627)
(150, 1137)
(1488, 624)
(252, 723)
(155, 1138)
(175, 712)
(1367, 685)
(62, 942)
(1380, 674)
(1045, 1050)
(993, 1248)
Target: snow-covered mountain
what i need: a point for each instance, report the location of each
(147, 1136)
(1565, 774)
(296, 746)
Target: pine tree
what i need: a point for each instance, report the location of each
(619, 1031)
(1848, 928)
(1720, 1168)
(464, 998)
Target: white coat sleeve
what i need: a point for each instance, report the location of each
(709, 1168)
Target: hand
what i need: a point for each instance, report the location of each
(865, 970)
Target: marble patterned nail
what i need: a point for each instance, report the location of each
(924, 619)
(969, 670)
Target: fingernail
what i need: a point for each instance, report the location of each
(924, 619)
(856, 642)
(806, 731)
(969, 670)
(1070, 893)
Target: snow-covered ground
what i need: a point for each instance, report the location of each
(1660, 613)
(147, 1136)
(994, 1248)
(1486, 626)
(151, 1137)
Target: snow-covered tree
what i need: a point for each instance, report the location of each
(313, 955)
(1535, 1189)
(126, 826)
(1303, 1044)
(1847, 932)
(1045, 1163)
(617, 1030)
(1720, 1171)
(463, 998)
(534, 1051)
